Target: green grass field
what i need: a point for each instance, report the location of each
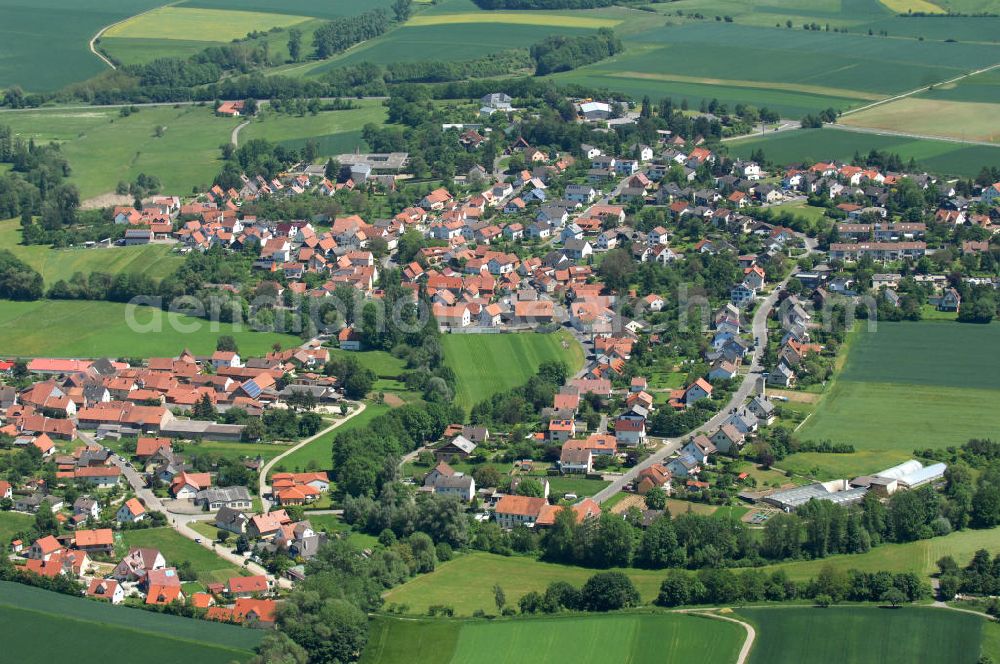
(632, 638)
(466, 583)
(490, 363)
(320, 450)
(43, 45)
(911, 385)
(327, 10)
(153, 260)
(11, 523)
(810, 145)
(176, 548)
(963, 120)
(200, 24)
(37, 625)
(864, 635)
(103, 148)
(63, 328)
(334, 132)
(793, 71)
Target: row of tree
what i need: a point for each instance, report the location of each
(560, 53)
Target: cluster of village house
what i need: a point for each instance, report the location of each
(142, 573)
(113, 398)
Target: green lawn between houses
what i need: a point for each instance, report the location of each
(69, 328)
(11, 523)
(906, 386)
(176, 548)
(864, 635)
(487, 364)
(153, 260)
(608, 639)
(466, 583)
(40, 626)
(319, 452)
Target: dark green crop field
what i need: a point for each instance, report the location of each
(611, 639)
(39, 626)
(863, 635)
(810, 145)
(43, 44)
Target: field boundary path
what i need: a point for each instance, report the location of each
(263, 486)
(904, 134)
(751, 632)
(234, 138)
(93, 40)
(922, 88)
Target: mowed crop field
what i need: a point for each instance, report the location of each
(625, 638)
(39, 626)
(963, 120)
(200, 24)
(176, 548)
(153, 260)
(104, 148)
(863, 635)
(793, 71)
(44, 44)
(913, 385)
(65, 328)
(811, 145)
(466, 582)
(333, 132)
(487, 364)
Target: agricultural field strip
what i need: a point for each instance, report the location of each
(514, 18)
(197, 24)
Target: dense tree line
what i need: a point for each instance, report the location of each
(18, 280)
(560, 53)
(399, 510)
(340, 34)
(543, 4)
(980, 577)
(364, 459)
(723, 586)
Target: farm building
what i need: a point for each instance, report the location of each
(912, 474)
(837, 491)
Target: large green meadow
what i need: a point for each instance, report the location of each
(37, 626)
(864, 635)
(43, 44)
(610, 639)
(153, 260)
(333, 132)
(466, 582)
(486, 364)
(912, 385)
(104, 148)
(176, 548)
(811, 145)
(70, 328)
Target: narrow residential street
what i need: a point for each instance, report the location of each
(263, 488)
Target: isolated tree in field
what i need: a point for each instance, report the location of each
(894, 596)
(609, 591)
(499, 597)
(222, 535)
(226, 343)
(294, 44)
